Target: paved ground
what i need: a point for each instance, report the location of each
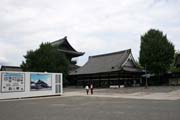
(95, 107)
(89, 108)
(153, 93)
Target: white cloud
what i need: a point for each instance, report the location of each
(95, 27)
(3, 61)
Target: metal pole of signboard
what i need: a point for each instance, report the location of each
(61, 83)
(0, 83)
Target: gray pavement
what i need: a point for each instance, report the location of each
(89, 108)
(105, 104)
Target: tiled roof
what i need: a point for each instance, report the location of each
(68, 48)
(10, 68)
(106, 63)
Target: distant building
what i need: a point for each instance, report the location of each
(64, 47)
(118, 68)
(70, 53)
(174, 78)
(177, 62)
(10, 68)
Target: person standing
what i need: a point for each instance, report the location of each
(91, 88)
(87, 89)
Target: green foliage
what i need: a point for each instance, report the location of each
(174, 69)
(45, 59)
(156, 52)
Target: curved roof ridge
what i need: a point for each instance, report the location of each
(68, 46)
(112, 53)
(59, 40)
(124, 57)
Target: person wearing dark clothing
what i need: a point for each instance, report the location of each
(91, 88)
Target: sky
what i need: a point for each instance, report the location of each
(91, 26)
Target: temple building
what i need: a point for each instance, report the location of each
(118, 68)
(70, 53)
(177, 61)
(10, 68)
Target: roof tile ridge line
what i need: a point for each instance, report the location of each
(59, 39)
(132, 58)
(70, 51)
(10, 66)
(109, 53)
(78, 69)
(128, 52)
(65, 40)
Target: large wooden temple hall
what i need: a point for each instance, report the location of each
(118, 68)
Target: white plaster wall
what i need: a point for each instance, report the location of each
(28, 92)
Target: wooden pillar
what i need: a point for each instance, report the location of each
(91, 80)
(99, 80)
(124, 80)
(108, 80)
(119, 79)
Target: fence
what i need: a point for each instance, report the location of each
(29, 84)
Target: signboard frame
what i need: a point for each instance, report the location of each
(12, 79)
(40, 87)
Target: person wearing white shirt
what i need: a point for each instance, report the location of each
(87, 89)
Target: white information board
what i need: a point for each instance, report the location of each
(15, 84)
(12, 82)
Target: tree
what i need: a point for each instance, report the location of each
(45, 59)
(156, 52)
(173, 67)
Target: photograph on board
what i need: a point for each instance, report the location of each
(40, 81)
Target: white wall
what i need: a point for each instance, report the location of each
(28, 92)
